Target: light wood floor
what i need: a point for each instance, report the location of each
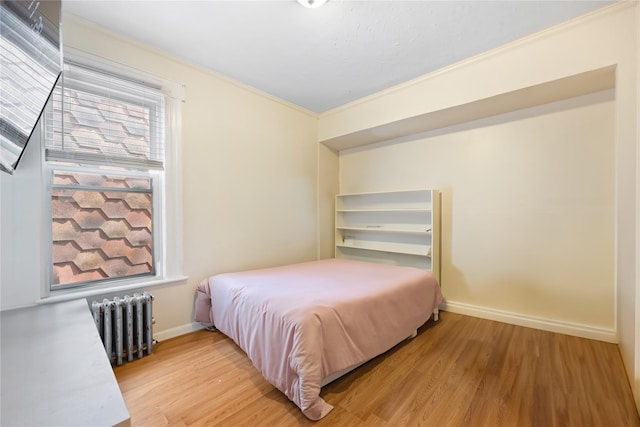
(460, 371)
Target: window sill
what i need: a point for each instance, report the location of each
(71, 295)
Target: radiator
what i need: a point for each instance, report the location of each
(125, 326)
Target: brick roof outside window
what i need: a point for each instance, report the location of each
(100, 234)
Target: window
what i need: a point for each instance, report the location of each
(102, 227)
(105, 145)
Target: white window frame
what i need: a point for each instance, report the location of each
(167, 198)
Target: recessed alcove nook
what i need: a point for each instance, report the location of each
(524, 193)
(528, 181)
(533, 147)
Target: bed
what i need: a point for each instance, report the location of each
(304, 324)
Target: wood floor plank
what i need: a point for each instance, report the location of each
(460, 371)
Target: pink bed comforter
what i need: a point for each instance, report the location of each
(301, 323)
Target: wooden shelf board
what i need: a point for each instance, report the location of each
(395, 210)
(386, 230)
(425, 252)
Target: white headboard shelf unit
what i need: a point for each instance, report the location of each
(392, 227)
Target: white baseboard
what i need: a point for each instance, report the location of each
(177, 331)
(574, 329)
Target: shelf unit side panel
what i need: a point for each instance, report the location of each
(436, 234)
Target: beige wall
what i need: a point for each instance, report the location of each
(635, 380)
(328, 187)
(249, 173)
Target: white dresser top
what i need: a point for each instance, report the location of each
(54, 370)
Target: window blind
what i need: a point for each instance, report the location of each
(98, 118)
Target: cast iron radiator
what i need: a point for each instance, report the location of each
(125, 326)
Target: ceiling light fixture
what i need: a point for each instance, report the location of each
(312, 4)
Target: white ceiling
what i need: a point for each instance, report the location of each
(322, 58)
